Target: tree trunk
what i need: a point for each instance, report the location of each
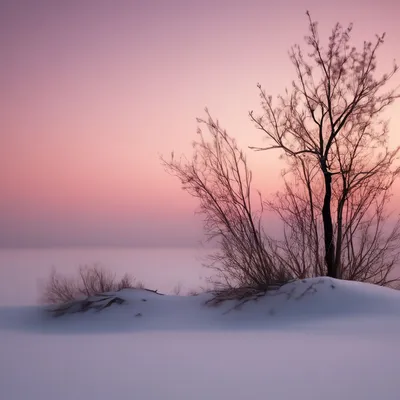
(339, 238)
(328, 226)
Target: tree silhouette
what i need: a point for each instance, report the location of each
(330, 129)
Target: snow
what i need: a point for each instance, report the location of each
(313, 339)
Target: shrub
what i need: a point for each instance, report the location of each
(91, 280)
(219, 177)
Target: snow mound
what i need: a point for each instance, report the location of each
(315, 296)
(308, 304)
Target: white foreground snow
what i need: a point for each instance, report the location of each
(317, 339)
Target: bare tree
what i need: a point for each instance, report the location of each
(331, 131)
(334, 202)
(218, 175)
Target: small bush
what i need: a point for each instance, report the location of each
(91, 281)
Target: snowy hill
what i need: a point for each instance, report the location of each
(317, 338)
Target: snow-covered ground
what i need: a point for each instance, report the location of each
(313, 339)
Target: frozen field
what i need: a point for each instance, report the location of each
(317, 339)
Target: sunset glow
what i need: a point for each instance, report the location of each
(94, 92)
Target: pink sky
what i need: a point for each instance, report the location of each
(94, 91)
